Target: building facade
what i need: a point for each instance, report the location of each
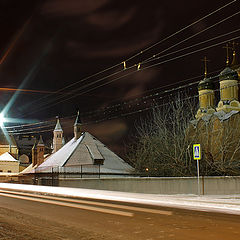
(217, 125)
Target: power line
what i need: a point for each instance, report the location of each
(151, 95)
(128, 74)
(181, 30)
(148, 60)
(116, 105)
(154, 106)
(107, 108)
(144, 50)
(178, 43)
(183, 49)
(28, 131)
(199, 50)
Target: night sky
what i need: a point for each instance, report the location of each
(48, 45)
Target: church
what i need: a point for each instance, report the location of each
(217, 125)
(82, 155)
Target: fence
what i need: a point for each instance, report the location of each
(50, 176)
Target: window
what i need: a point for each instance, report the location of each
(1, 170)
(9, 171)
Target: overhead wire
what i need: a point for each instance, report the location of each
(144, 50)
(126, 102)
(128, 74)
(191, 46)
(112, 106)
(69, 117)
(194, 35)
(161, 41)
(153, 106)
(147, 108)
(152, 59)
(148, 96)
(182, 29)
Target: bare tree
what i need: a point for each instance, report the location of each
(163, 148)
(166, 135)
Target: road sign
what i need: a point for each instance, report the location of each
(197, 156)
(196, 151)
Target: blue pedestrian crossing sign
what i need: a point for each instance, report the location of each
(196, 151)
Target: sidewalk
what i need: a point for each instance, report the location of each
(229, 204)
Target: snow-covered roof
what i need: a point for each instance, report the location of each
(58, 126)
(221, 115)
(40, 142)
(84, 151)
(7, 157)
(59, 158)
(78, 119)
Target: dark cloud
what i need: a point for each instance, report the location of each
(110, 131)
(123, 47)
(111, 19)
(71, 7)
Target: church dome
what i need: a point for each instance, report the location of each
(206, 83)
(228, 74)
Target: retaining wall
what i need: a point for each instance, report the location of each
(184, 185)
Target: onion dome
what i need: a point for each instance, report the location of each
(228, 74)
(206, 83)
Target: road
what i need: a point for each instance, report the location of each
(32, 216)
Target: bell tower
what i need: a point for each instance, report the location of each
(38, 152)
(57, 137)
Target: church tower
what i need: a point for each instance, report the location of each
(77, 127)
(57, 137)
(228, 88)
(206, 95)
(38, 152)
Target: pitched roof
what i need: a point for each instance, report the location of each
(7, 157)
(221, 115)
(84, 151)
(59, 158)
(58, 126)
(40, 142)
(78, 119)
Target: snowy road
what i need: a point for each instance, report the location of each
(140, 218)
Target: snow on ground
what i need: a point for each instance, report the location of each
(211, 203)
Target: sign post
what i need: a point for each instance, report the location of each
(197, 156)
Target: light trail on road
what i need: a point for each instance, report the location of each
(104, 218)
(79, 204)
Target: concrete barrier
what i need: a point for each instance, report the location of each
(166, 185)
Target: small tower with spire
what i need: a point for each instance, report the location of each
(57, 137)
(38, 152)
(228, 87)
(206, 94)
(77, 127)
